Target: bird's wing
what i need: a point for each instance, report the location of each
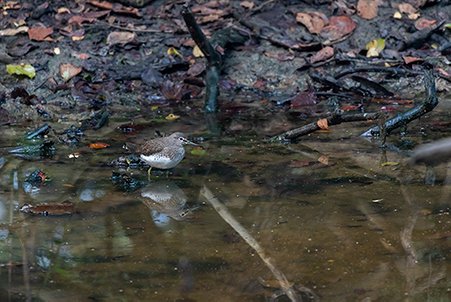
(150, 147)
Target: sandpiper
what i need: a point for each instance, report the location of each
(164, 152)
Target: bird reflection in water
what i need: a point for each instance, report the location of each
(166, 201)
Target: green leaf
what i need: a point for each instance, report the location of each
(22, 69)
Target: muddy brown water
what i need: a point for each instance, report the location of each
(334, 213)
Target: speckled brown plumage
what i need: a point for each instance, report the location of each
(164, 152)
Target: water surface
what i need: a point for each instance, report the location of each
(335, 214)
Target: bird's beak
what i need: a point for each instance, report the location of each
(187, 142)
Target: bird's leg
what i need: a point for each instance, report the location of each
(149, 173)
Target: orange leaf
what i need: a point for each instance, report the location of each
(98, 145)
(323, 124)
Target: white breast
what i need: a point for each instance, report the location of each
(161, 161)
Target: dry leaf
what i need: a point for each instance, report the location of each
(324, 160)
(281, 55)
(397, 15)
(409, 10)
(120, 37)
(14, 31)
(98, 145)
(367, 9)
(304, 99)
(423, 23)
(40, 33)
(63, 10)
(338, 28)
(375, 47)
(322, 55)
(247, 4)
(314, 21)
(406, 8)
(68, 71)
(323, 124)
(77, 38)
(409, 59)
(116, 7)
(197, 52)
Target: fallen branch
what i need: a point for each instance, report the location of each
(224, 213)
(335, 119)
(403, 119)
(219, 41)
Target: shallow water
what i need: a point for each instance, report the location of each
(328, 215)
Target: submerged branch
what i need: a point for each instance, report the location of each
(224, 213)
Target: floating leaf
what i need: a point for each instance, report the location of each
(198, 151)
(323, 124)
(172, 117)
(98, 145)
(49, 209)
(375, 47)
(22, 69)
(68, 71)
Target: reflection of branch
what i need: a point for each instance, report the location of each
(406, 233)
(224, 213)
